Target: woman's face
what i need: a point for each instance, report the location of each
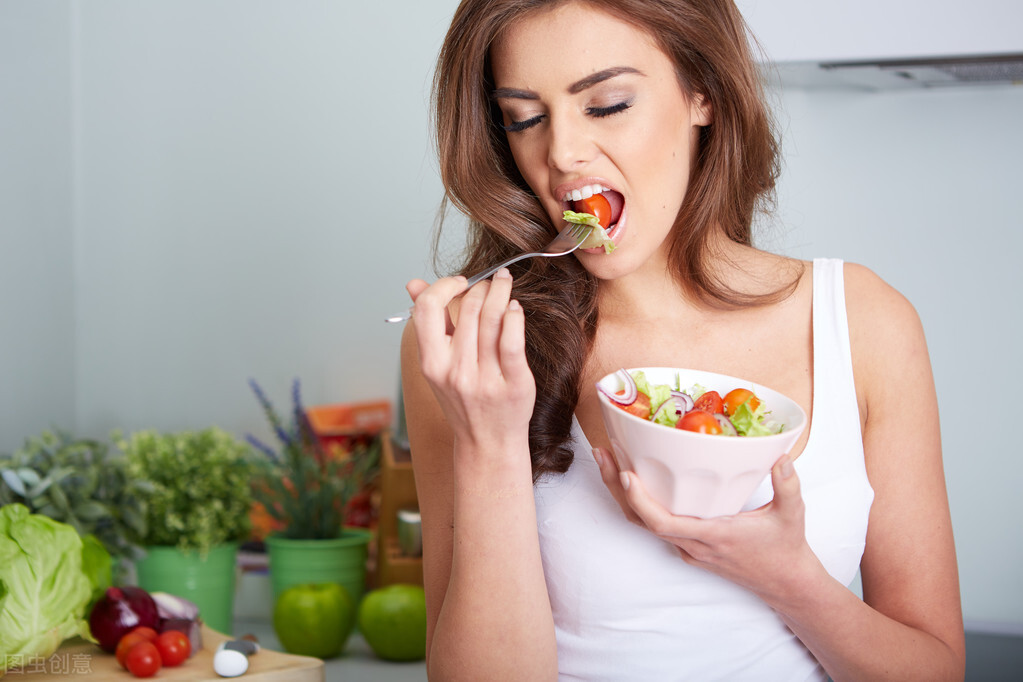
(592, 105)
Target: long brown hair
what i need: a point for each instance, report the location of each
(733, 174)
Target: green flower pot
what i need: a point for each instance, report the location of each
(209, 581)
(339, 560)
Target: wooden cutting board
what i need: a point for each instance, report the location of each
(78, 660)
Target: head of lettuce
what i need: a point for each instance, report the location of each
(43, 589)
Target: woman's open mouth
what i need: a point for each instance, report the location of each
(600, 201)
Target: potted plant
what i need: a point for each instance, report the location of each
(308, 491)
(79, 482)
(197, 512)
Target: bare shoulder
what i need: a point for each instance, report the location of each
(865, 291)
(889, 350)
(884, 327)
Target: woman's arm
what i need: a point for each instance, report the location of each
(468, 397)
(909, 624)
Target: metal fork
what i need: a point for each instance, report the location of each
(567, 241)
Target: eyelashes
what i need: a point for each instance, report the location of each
(595, 112)
(519, 126)
(601, 112)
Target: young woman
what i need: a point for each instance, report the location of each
(542, 559)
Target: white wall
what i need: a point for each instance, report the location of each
(250, 183)
(36, 303)
(256, 184)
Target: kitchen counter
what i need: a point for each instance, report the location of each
(356, 664)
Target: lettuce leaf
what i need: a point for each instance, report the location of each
(657, 393)
(753, 422)
(598, 237)
(43, 589)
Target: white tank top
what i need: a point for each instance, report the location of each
(626, 607)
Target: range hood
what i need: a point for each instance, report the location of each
(893, 74)
(888, 44)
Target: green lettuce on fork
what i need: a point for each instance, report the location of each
(598, 237)
(44, 589)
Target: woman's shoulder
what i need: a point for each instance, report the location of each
(871, 301)
(885, 332)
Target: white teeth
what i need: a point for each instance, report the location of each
(584, 192)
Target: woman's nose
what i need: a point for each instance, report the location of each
(570, 147)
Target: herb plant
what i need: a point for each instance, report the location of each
(81, 483)
(301, 485)
(200, 494)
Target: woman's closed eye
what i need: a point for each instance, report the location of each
(601, 112)
(519, 126)
(595, 112)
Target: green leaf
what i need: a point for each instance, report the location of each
(91, 511)
(60, 499)
(28, 476)
(38, 490)
(13, 481)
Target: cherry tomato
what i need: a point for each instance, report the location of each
(174, 648)
(736, 397)
(125, 644)
(699, 421)
(147, 632)
(143, 660)
(710, 402)
(598, 206)
(639, 407)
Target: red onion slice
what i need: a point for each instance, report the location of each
(727, 428)
(630, 390)
(679, 402)
(683, 400)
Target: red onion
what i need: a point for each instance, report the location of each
(119, 611)
(191, 628)
(683, 401)
(727, 428)
(178, 613)
(630, 391)
(172, 606)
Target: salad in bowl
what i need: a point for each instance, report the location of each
(700, 442)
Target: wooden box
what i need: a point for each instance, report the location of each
(397, 491)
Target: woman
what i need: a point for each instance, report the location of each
(541, 558)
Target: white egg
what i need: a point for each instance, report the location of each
(230, 663)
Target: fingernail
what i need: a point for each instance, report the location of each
(624, 477)
(597, 458)
(786, 468)
(514, 305)
(502, 274)
(461, 278)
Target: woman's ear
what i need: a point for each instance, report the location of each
(700, 110)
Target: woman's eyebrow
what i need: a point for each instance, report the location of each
(513, 93)
(600, 77)
(573, 89)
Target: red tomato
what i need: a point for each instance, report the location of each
(710, 402)
(700, 422)
(598, 206)
(148, 633)
(736, 397)
(639, 407)
(143, 660)
(125, 644)
(174, 648)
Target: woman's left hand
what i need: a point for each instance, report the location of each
(764, 550)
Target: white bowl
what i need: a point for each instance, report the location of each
(697, 474)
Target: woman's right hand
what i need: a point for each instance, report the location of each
(472, 354)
